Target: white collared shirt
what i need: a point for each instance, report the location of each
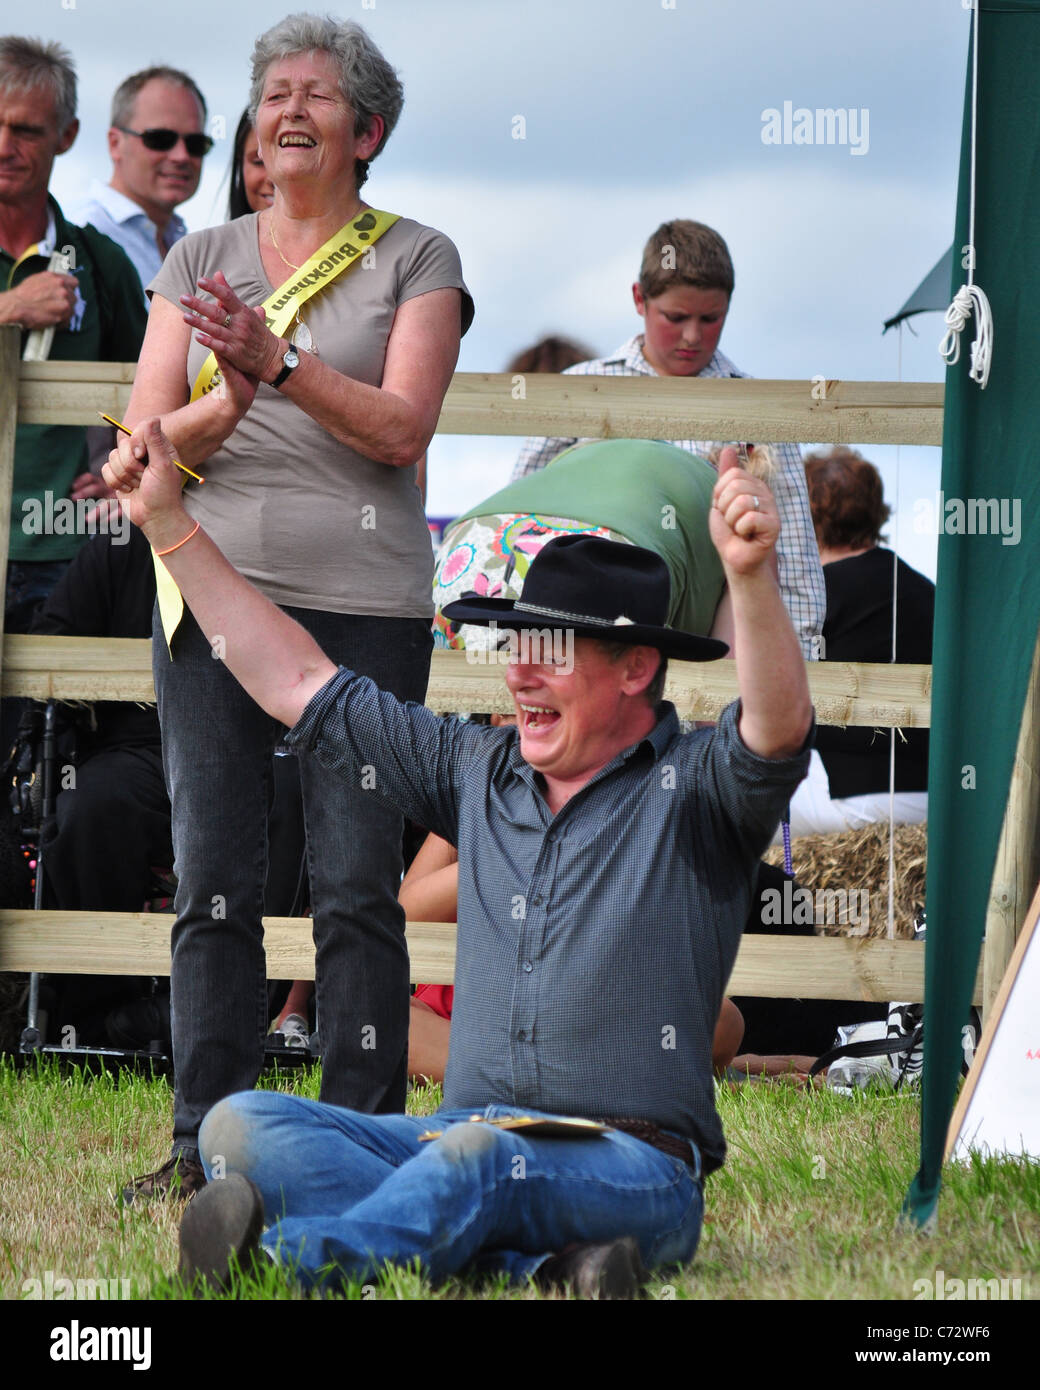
(46, 244)
(127, 223)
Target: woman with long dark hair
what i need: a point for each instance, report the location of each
(251, 186)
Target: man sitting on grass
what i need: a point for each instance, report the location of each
(606, 864)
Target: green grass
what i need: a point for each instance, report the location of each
(806, 1206)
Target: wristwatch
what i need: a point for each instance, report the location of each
(289, 362)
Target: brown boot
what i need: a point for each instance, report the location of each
(614, 1270)
(179, 1177)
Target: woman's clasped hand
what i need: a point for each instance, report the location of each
(234, 332)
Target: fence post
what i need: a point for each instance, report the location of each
(1018, 854)
(10, 341)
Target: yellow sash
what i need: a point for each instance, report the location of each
(340, 253)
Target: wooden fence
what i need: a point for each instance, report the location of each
(594, 407)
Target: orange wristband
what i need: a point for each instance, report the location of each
(171, 548)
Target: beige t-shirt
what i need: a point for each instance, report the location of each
(310, 522)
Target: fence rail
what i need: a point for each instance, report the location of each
(594, 407)
(138, 943)
(120, 668)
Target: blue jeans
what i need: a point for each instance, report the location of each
(344, 1192)
(217, 755)
(29, 583)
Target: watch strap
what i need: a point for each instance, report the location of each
(287, 367)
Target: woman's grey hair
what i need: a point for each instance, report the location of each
(366, 79)
(28, 64)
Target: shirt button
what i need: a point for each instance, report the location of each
(537, 900)
(522, 1035)
(528, 967)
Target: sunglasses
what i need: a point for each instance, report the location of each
(196, 144)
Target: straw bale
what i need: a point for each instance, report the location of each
(858, 860)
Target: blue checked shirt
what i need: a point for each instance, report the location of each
(594, 946)
(801, 576)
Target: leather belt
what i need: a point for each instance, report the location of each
(653, 1135)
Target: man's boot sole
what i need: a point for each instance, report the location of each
(221, 1225)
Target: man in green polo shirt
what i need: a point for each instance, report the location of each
(97, 313)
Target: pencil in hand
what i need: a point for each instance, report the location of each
(120, 426)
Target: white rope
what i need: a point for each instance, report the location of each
(970, 297)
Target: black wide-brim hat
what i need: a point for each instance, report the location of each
(594, 588)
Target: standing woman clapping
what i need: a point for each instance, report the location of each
(307, 428)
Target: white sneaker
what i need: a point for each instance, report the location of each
(294, 1031)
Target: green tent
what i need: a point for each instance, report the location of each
(988, 586)
(932, 294)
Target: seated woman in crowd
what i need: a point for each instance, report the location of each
(848, 782)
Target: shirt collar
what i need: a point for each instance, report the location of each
(118, 206)
(55, 235)
(630, 356)
(123, 209)
(50, 236)
(720, 365)
(665, 730)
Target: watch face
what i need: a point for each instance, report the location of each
(291, 358)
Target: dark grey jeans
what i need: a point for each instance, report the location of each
(217, 747)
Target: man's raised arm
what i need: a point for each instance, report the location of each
(273, 658)
(776, 710)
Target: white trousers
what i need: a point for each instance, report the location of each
(814, 813)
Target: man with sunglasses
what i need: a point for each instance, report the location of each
(157, 142)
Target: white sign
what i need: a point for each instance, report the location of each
(999, 1108)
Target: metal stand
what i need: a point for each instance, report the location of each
(32, 1034)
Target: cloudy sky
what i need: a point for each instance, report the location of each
(634, 111)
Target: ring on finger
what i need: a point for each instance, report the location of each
(755, 502)
(227, 320)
